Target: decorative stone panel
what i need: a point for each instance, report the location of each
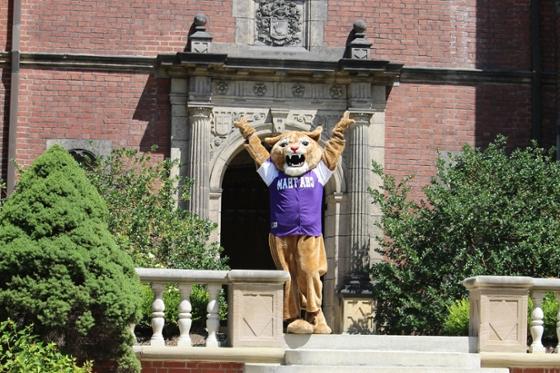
(256, 304)
(280, 23)
(498, 312)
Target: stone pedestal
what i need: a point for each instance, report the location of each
(256, 303)
(498, 312)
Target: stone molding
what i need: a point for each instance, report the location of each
(142, 64)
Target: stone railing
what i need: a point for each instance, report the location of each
(254, 304)
(499, 314)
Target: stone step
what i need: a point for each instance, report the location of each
(381, 358)
(275, 368)
(381, 342)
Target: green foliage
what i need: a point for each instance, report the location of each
(21, 351)
(171, 297)
(141, 197)
(550, 310)
(457, 320)
(487, 212)
(60, 268)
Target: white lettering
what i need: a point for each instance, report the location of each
(295, 182)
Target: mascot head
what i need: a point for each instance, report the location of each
(296, 152)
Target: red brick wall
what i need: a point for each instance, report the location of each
(4, 108)
(438, 33)
(122, 27)
(190, 367)
(422, 119)
(131, 110)
(5, 27)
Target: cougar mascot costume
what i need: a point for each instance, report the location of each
(295, 172)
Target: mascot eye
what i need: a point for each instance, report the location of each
(283, 144)
(305, 142)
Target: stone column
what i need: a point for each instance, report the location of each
(359, 171)
(178, 99)
(198, 159)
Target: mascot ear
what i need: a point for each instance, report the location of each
(272, 140)
(316, 133)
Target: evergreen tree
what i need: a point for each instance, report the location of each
(60, 268)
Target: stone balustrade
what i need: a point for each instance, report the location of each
(499, 312)
(254, 304)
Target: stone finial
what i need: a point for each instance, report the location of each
(200, 40)
(359, 46)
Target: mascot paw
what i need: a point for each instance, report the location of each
(300, 326)
(322, 328)
(317, 319)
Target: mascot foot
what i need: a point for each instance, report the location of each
(317, 319)
(300, 326)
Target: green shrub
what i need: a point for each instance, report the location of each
(60, 268)
(141, 197)
(486, 212)
(457, 320)
(21, 351)
(171, 297)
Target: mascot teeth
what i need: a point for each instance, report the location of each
(295, 160)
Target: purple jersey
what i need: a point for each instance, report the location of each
(295, 202)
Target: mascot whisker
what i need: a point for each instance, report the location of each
(295, 172)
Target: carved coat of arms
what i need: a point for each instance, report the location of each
(279, 23)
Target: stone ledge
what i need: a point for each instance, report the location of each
(246, 275)
(519, 360)
(225, 354)
(181, 275)
(498, 281)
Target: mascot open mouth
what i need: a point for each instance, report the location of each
(295, 160)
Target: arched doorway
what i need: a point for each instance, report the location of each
(245, 216)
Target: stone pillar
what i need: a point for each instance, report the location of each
(179, 137)
(359, 171)
(498, 312)
(198, 159)
(255, 308)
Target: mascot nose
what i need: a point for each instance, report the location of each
(294, 148)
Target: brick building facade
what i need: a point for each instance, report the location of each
(104, 74)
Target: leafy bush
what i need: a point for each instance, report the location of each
(486, 212)
(21, 351)
(142, 202)
(171, 297)
(142, 199)
(457, 320)
(60, 268)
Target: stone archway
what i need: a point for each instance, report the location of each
(208, 92)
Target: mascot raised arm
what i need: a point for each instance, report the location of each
(295, 172)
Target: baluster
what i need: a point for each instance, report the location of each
(131, 327)
(212, 319)
(185, 316)
(158, 316)
(537, 323)
(557, 349)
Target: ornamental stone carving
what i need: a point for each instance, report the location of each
(279, 23)
(221, 87)
(336, 91)
(259, 89)
(298, 90)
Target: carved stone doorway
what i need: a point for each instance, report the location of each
(245, 216)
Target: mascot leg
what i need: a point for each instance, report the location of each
(312, 264)
(283, 250)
